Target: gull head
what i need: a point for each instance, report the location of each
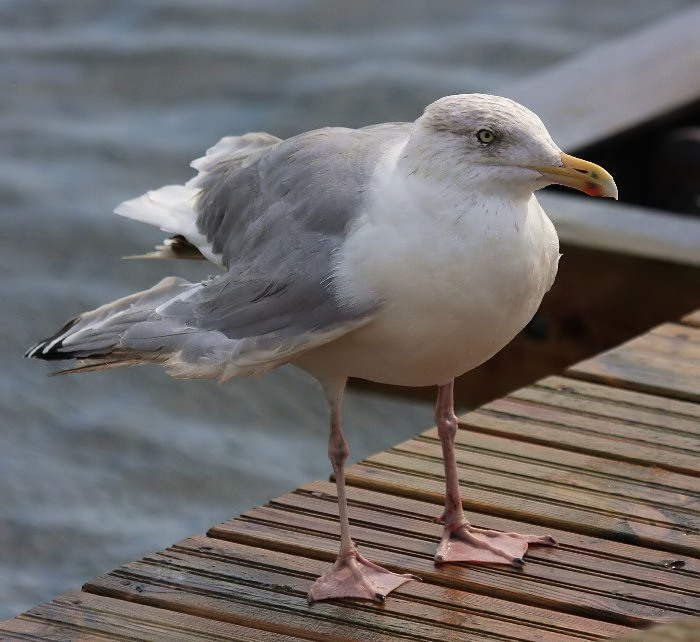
(493, 143)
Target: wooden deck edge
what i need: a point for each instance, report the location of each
(692, 319)
(637, 367)
(624, 229)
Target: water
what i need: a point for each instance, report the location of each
(103, 100)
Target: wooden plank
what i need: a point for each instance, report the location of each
(446, 608)
(553, 426)
(581, 108)
(224, 580)
(643, 443)
(404, 514)
(263, 588)
(576, 433)
(555, 579)
(670, 339)
(644, 371)
(649, 528)
(588, 398)
(498, 453)
(488, 461)
(82, 616)
(656, 363)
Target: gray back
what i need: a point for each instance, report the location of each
(277, 218)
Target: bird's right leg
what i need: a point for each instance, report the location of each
(352, 575)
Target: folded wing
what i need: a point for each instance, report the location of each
(273, 213)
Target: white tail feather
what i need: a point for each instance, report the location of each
(172, 208)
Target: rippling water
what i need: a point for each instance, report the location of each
(103, 100)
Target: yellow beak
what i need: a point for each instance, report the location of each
(581, 175)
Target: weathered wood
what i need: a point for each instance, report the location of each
(610, 439)
(670, 340)
(663, 361)
(577, 433)
(241, 582)
(83, 616)
(404, 543)
(606, 469)
(407, 514)
(656, 412)
(512, 464)
(648, 528)
(268, 593)
(238, 572)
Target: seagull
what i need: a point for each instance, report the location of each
(400, 253)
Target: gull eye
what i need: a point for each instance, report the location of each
(485, 136)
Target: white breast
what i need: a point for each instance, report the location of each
(459, 278)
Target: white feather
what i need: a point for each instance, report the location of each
(172, 208)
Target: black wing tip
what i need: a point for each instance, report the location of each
(31, 353)
(39, 352)
(44, 350)
(49, 349)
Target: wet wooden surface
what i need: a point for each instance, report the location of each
(604, 458)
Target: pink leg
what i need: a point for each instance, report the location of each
(460, 541)
(352, 576)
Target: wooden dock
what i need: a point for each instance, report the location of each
(606, 459)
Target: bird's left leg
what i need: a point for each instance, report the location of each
(352, 576)
(462, 542)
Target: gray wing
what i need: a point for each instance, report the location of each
(276, 211)
(278, 219)
(312, 183)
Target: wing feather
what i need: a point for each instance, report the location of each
(274, 213)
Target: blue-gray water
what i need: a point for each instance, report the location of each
(100, 101)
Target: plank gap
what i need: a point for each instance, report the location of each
(467, 422)
(544, 463)
(497, 410)
(523, 399)
(630, 400)
(517, 495)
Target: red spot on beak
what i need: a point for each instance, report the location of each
(592, 189)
